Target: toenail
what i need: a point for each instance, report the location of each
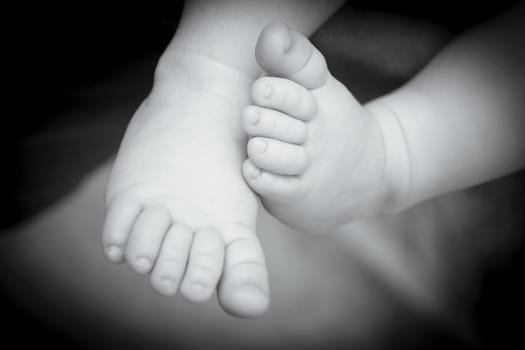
(251, 288)
(288, 43)
(254, 172)
(114, 253)
(198, 287)
(252, 116)
(143, 265)
(261, 145)
(267, 91)
(167, 287)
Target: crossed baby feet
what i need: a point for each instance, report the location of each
(178, 207)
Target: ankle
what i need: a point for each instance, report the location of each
(178, 65)
(397, 169)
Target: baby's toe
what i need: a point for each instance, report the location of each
(277, 157)
(244, 289)
(120, 216)
(283, 52)
(171, 262)
(146, 237)
(204, 267)
(286, 96)
(270, 123)
(272, 186)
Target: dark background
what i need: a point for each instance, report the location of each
(53, 51)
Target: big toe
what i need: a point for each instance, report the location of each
(283, 52)
(244, 290)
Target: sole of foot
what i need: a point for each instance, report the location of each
(177, 206)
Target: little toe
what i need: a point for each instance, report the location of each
(146, 237)
(172, 259)
(266, 122)
(271, 186)
(244, 289)
(204, 267)
(120, 217)
(286, 53)
(277, 156)
(286, 96)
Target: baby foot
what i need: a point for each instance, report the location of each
(177, 206)
(316, 155)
